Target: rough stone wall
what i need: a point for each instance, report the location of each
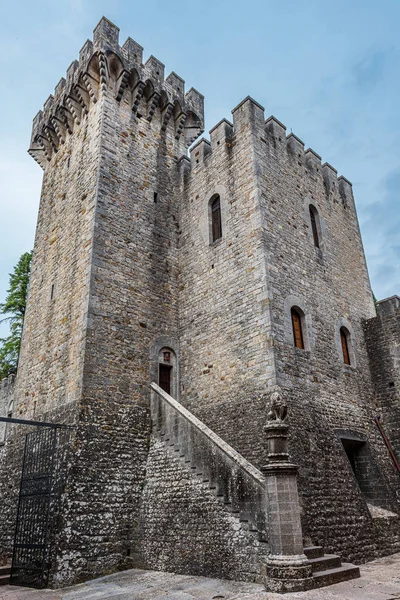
(235, 327)
(6, 402)
(9, 464)
(124, 265)
(383, 340)
(330, 285)
(104, 284)
(51, 359)
(186, 529)
(224, 318)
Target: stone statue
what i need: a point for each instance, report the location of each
(278, 408)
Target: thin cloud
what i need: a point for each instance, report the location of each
(369, 71)
(381, 224)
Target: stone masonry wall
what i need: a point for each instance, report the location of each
(383, 339)
(6, 402)
(103, 285)
(225, 323)
(186, 529)
(132, 303)
(330, 286)
(235, 326)
(49, 378)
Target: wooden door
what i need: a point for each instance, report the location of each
(164, 377)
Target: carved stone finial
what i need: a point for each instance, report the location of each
(278, 408)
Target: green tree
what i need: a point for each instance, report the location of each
(14, 307)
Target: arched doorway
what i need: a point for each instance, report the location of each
(167, 379)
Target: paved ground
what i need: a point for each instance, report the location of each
(380, 580)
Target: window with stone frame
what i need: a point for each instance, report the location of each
(344, 340)
(216, 223)
(297, 326)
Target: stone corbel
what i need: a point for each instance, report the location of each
(180, 124)
(51, 136)
(59, 128)
(103, 72)
(123, 82)
(191, 138)
(73, 108)
(81, 95)
(45, 146)
(153, 103)
(38, 156)
(89, 84)
(66, 118)
(167, 115)
(137, 95)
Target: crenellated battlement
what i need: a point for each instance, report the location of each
(7, 383)
(248, 115)
(105, 67)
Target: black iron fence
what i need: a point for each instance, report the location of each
(44, 473)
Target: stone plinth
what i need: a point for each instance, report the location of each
(287, 568)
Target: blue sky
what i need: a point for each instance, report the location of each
(328, 71)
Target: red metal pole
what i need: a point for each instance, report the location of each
(387, 443)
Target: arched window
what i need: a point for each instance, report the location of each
(344, 339)
(216, 224)
(297, 325)
(314, 218)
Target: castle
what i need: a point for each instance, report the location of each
(212, 283)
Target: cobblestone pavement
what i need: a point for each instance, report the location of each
(380, 580)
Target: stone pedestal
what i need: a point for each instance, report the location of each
(287, 568)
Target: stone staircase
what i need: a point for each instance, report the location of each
(5, 574)
(328, 568)
(235, 482)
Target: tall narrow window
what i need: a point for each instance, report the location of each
(297, 328)
(314, 225)
(344, 335)
(216, 224)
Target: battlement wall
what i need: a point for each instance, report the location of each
(236, 333)
(119, 208)
(106, 68)
(249, 115)
(269, 184)
(383, 340)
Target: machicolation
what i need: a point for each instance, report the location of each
(202, 367)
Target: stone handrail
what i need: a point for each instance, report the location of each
(241, 485)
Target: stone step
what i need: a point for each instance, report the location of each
(314, 552)
(5, 570)
(4, 579)
(330, 576)
(325, 562)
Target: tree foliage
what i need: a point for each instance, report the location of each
(14, 308)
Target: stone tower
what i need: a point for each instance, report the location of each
(225, 276)
(104, 277)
